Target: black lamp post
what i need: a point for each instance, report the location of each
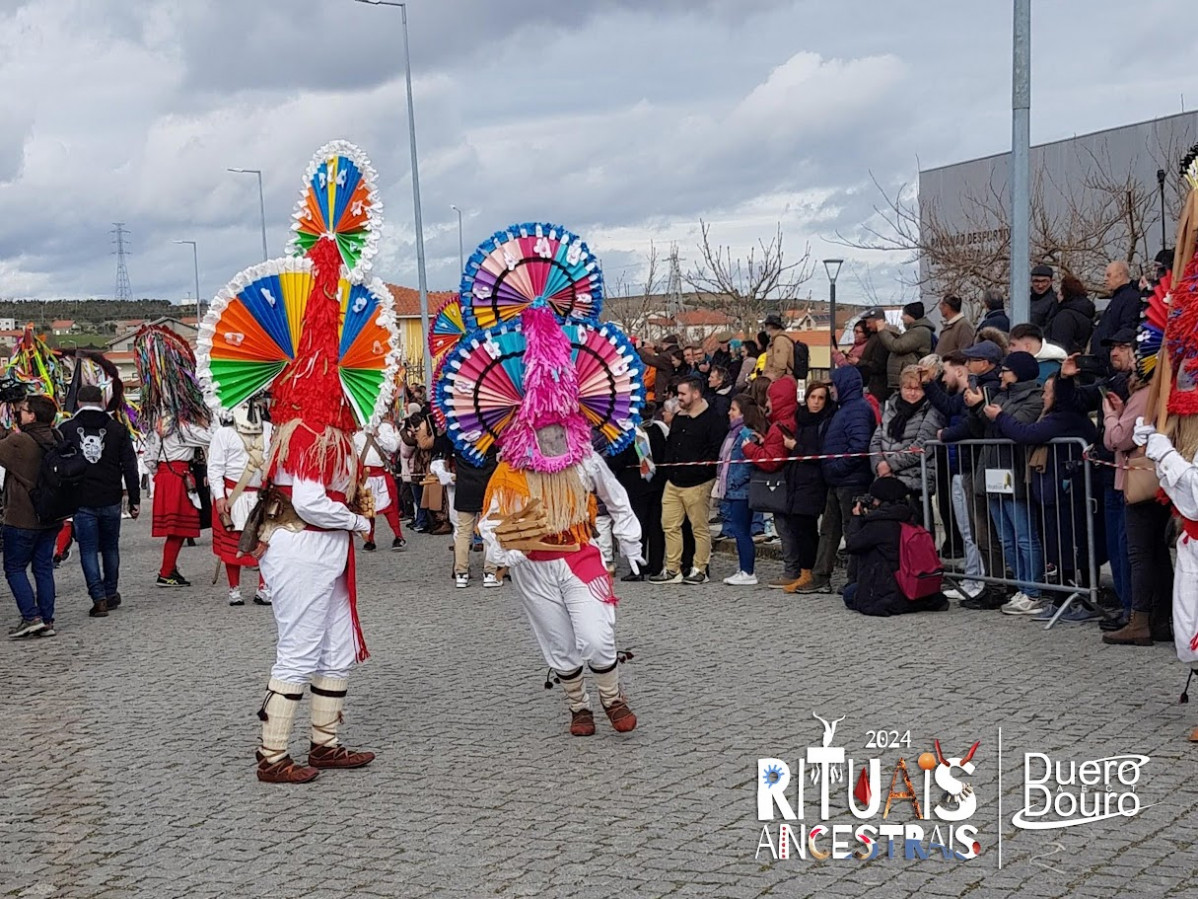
(832, 267)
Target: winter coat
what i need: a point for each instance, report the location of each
(779, 357)
(1118, 429)
(874, 538)
(1061, 475)
(921, 427)
(906, 348)
(1050, 358)
(747, 366)
(872, 368)
(107, 446)
(21, 457)
(720, 400)
(665, 371)
(739, 474)
(1043, 308)
(1072, 325)
(806, 489)
(784, 402)
(995, 318)
(1023, 402)
(955, 335)
(952, 407)
(1123, 311)
(849, 431)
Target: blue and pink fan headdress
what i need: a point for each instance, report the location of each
(535, 356)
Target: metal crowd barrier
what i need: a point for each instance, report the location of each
(1017, 528)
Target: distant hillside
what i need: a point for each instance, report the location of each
(95, 316)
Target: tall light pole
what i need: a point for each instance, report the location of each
(261, 205)
(1160, 183)
(195, 260)
(832, 267)
(1021, 204)
(420, 270)
(461, 248)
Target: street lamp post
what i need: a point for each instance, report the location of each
(420, 269)
(461, 249)
(195, 261)
(1160, 183)
(261, 205)
(832, 267)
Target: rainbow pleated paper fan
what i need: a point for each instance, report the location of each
(339, 200)
(446, 329)
(514, 268)
(481, 385)
(249, 337)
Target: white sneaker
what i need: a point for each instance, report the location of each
(235, 597)
(1022, 604)
(461, 580)
(489, 580)
(740, 579)
(967, 591)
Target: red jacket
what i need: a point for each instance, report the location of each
(784, 403)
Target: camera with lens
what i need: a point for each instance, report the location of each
(12, 390)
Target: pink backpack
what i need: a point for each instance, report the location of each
(920, 572)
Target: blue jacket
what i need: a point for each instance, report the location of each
(849, 431)
(737, 485)
(1056, 481)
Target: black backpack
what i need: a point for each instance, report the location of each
(55, 495)
(801, 360)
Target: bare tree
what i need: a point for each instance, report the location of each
(1104, 211)
(746, 288)
(632, 309)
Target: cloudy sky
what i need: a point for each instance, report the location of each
(626, 121)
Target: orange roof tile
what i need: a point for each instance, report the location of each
(407, 300)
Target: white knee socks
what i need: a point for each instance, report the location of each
(328, 699)
(576, 691)
(608, 684)
(278, 714)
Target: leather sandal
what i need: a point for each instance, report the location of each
(620, 716)
(582, 723)
(337, 757)
(284, 771)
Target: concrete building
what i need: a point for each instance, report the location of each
(1095, 197)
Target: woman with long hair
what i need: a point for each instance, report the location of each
(908, 422)
(807, 492)
(746, 422)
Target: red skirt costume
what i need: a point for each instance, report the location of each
(174, 515)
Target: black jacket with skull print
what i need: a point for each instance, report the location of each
(106, 444)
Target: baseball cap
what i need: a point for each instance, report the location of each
(986, 349)
(1123, 335)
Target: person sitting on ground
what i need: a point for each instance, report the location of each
(873, 539)
(909, 421)
(1029, 338)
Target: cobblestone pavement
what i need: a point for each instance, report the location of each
(129, 744)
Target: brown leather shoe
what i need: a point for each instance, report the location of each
(337, 757)
(582, 723)
(1137, 632)
(284, 771)
(620, 716)
(99, 609)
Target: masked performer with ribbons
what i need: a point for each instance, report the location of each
(538, 376)
(236, 470)
(324, 340)
(1172, 442)
(178, 426)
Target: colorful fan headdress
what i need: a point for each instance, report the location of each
(544, 391)
(313, 328)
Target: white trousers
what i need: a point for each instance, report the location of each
(380, 489)
(571, 626)
(310, 596)
(1185, 600)
(603, 538)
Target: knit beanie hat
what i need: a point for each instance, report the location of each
(888, 490)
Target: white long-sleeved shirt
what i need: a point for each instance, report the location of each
(386, 438)
(227, 458)
(178, 446)
(1179, 480)
(314, 505)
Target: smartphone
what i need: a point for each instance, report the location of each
(986, 394)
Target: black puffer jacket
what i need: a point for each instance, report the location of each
(807, 491)
(874, 538)
(470, 483)
(1072, 325)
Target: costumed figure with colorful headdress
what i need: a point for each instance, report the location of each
(1172, 441)
(236, 470)
(323, 339)
(537, 375)
(178, 427)
(376, 450)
